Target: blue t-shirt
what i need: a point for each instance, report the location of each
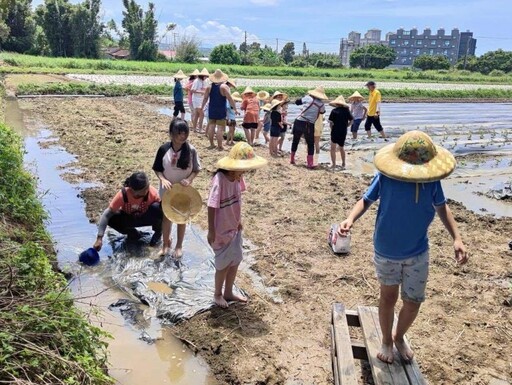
(405, 212)
(230, 111)
(178, 92)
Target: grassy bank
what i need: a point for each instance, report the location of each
(16, 63)
(44, 339)
(388, 94)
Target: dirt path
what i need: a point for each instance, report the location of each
(463, 334)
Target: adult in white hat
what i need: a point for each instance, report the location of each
(217, 94)
(312, 106)
(339, 120)
(191, 77)
(410, 192)
(198, 89)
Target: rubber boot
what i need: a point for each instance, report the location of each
(310, 162)
(292, 158)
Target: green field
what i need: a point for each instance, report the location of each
(16, 63)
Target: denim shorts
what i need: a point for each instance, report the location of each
(411, 273)
(355, 125)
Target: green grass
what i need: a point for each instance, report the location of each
(16, 63)
(124, 90)
(44, 339)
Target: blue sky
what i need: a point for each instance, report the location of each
(322, 23)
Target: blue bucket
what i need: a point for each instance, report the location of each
(89, 257)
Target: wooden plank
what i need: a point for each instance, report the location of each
(359, 350)
(352, 318)
(345, 358)
(383, 373)
(334, 359)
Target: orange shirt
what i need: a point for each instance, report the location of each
(134, 205)
(251, 106)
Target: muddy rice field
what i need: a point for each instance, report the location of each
(464, 331)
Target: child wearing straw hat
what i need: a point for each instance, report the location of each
(410, 192)
(251, 107)
(191, 77)
(339, 120)
(231, 116)
(262, 99)
(358, 111)
(224, 218)
(178, 94)
(198, 89)
(276, 125)
(176, 162)
(266, 122)
(217, 94)
(312, 106)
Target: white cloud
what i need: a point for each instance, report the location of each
(265, 3)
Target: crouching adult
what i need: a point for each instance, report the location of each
(137, 204)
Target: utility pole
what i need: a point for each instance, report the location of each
(174, 39)
(277, 45)
(245, 48)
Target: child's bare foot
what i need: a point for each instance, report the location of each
(166, 248)
(404, 349)
(234, 297)
(178, 252)
(386, 353)
(220, 301)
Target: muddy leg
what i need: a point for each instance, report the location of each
(178, 250)
(387, 301)
(230, 281)
(220, 277)
(166, 236)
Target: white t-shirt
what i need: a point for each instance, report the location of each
(197, 98)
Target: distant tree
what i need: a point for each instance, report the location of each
(17, 15)
(469, 63)
(187, 49)
(54, 17)
(372, 56)
(495, 60)
(141, 29)
(86, 29)
(432, 62)
(304, 49)
(113, 35)
(225, 54)
(288, 52)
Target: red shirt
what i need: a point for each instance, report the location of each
(134, 205)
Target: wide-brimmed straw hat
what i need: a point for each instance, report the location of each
(236, 96)
(339, 102)
(231, 81)
(262, 95)
(355, 95)
(318, 93)
(267, 107)
(275, 103)
(194, 73)
(179, 75)
(204, 72)
(218, 76)
(248, 90)
(241, 158)
(181, 203)
(415, 158)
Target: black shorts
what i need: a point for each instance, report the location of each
(338, 136)
(178, 107)
(375, 120)
(275, 132)
(251, 126)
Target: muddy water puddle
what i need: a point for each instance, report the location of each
(468, 130)
(139, 352)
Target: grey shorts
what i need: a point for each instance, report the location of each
(231, 254)
(411, 273)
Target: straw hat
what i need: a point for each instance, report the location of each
(231, 81)
(236, 96)
(339, 102)
(180, 204)
(204, 72)
(248, 90)
(194, 73)
(267, 107)
(241, 158)
(318, 93)
(355, 95)
(179, 75)
(262, 95)
(275, 103)
(218, 76)
(415, 158)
